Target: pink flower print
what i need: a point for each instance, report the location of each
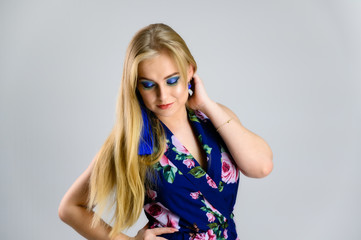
(155, 225)
(172, 222)
(201, 115)
(178, 145)
(211, 182)
(172, 165)
(151, 194)
(163, 215)
(211, 235)
(194, 195)
(154, 210)
(211, 217)
(164, 161)
(200, 236)
(189, 163)
(166, 147)
(230, 172)
(225, 234)
(210, 206)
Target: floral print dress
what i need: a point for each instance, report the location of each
(198, 202)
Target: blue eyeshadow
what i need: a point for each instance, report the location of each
(147, 84)
(173, 80)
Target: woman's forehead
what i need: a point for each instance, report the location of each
(158, 67)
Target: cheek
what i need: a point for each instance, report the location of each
(181, 91)
(147, 98)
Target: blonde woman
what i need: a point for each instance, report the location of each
(172, 151)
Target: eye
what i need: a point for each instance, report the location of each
(147, 84)
(173, 80)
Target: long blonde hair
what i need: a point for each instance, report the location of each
(120, 174)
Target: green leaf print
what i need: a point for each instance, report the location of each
(180, 173)
(220, 186)
(213, 225)
(181, 156)
(193, 118)
(204, 209)
(157, 166)
(224, 225)
(169, 173)
(207, 148)
(222, 149)
(197, 172)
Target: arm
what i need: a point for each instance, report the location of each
(72, 210)
(251, 153)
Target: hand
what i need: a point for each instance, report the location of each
(199, 99)
(149, 234)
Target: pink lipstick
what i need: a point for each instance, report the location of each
(165, 106)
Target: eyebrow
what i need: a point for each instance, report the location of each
(143, 78)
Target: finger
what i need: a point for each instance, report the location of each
(160, 238)
(195, 78)
(162, 230)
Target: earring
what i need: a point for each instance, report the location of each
(189, 89)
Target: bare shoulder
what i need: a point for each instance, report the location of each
(229, 111)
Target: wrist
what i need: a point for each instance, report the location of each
(207, 107)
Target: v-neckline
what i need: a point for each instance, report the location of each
(201, 143)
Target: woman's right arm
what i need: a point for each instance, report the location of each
(73, 210)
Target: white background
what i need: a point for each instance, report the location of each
(291, 71)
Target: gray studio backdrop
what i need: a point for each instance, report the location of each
(291, 71)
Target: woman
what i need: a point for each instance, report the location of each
(172, 151)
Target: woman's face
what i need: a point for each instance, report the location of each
(161, 87)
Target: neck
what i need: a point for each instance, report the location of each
(177, 121)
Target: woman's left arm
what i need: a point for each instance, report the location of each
(251, 153)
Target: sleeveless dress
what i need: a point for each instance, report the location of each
(198, 202)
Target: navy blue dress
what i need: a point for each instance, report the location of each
(198, 202)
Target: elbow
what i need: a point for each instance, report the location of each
(259, 170)
(63, 211)
(267, 168)
(267, 165)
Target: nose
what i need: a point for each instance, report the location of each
(162, 93)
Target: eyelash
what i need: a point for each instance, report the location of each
(171, 81)
(147, 85)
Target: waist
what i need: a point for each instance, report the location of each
(214, 232)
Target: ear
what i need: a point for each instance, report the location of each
(190, 72)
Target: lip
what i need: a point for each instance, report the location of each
(165, 106)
